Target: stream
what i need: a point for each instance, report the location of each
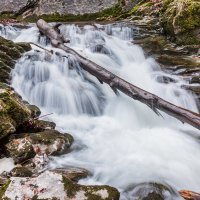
(120, 141)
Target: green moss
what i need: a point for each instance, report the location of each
(7, 15)
(11, 51)
(189, 18)
(15, 108)
(6, 125)
(49, 137)
(141, 7)
(25, 46)
(3, 190)
(71, 190)
(180, 19)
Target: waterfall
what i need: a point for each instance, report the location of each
(121, 141)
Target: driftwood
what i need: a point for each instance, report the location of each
(116, 83)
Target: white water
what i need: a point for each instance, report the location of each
(121, 141)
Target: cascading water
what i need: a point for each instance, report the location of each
(121, 141)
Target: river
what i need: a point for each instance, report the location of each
(120, 141)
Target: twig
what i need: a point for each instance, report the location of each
(50, 51)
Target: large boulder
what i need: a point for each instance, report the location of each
(180, 19)
(51, 185)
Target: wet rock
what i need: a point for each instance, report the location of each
(51, 142)
(9, 53)
(35, 111)
(195, 79)
(151, 191)
(50, 185)
(165, 79)
(44, 125)
(22, 147)
(34, 126)
(12, 111)
(189, 195)
(72, 173)
(183, 61)
(21, 172)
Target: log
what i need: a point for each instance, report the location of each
(116, 83)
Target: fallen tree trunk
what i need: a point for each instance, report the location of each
(116, 83)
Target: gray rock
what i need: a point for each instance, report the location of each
(62, 7)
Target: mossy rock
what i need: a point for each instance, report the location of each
(21, 172)
(180, 19)
(142, 8)
(51, 186)
(35, 111)
(12, 111)
(9, 53)
(44, 125)
(3, 190)
(51, 141)
(20, 149)
(35, 125)
(72, 173)
(90, 192)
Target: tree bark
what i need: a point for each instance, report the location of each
(116, 83)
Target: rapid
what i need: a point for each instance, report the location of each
(120, 141)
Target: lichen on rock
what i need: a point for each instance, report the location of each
(51, 185)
